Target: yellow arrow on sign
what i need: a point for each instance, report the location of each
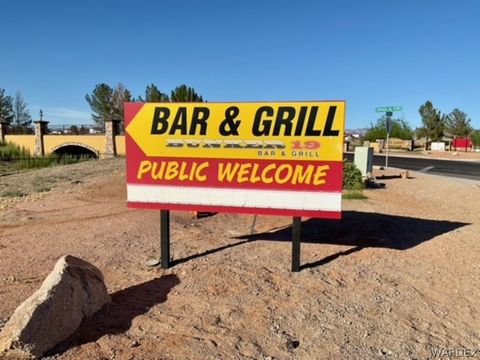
(178, 135)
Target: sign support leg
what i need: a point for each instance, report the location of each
(297, 222)
(164, 239)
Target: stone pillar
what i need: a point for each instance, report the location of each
(111, 130)
(40, 131)
(3, 129)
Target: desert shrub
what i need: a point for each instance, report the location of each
(352, 176)
(13, 193)
(15, 158)
(353, 195)
(10, 151)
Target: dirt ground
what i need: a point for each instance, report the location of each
(397, 278)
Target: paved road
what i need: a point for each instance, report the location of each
(453, 168)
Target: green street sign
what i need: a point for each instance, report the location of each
(388, 108)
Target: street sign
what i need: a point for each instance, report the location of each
(388, 108)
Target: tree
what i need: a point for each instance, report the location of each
(107, 103)
(152, 94)
(399, 129)
(119, 96)
(458, 124)
(6, 107)
(100, 102)
(21, 116)
(433, 122)
(476, 137)
(74, 130)
(183, 93)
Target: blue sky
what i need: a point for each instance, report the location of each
(369, 53)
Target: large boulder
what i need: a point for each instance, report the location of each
(71, 292)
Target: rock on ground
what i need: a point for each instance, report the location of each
(72, 291)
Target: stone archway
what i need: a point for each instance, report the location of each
(75, 149)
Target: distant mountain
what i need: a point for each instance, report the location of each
(360, 132)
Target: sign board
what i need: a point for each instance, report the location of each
(279, 158)
(388, 108)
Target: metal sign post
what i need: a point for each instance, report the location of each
(164, 239)
(389, 126)
(296, 231)
(164, 259)
(388, 110)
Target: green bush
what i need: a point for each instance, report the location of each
(352, 176)
(10, 151)
(17, 158)
(399, 129)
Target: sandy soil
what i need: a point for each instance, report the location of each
(396, 278)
